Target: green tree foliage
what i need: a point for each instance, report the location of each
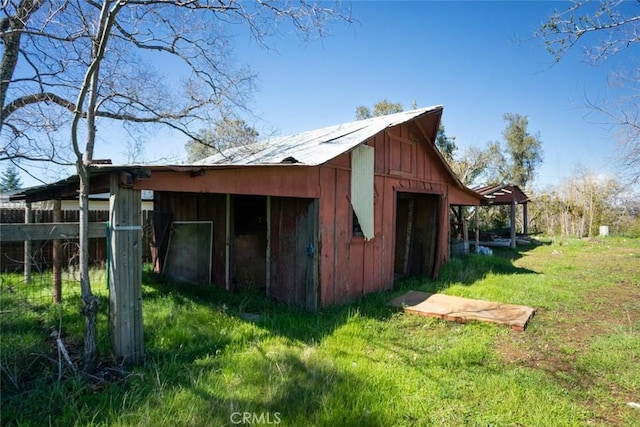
(381, 108)
(472, 163)
(226, 133)
(445, 144)
(523, 151)
(10, 179)
(584, 201)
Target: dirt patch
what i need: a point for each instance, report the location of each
(559, 339)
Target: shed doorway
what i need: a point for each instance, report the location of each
(417, 229)
(249, 242)
(294, 252)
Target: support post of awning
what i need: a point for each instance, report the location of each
(513, 223)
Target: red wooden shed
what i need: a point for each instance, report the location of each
(314, 219)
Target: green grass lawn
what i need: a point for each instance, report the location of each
(365, 364)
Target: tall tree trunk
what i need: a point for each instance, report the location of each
(89, 301)
(90, 88)
(11, 32)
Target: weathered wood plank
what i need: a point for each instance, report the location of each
(125, 275)
(49, 231)
(460, 310)
(328, 243)
(342, 235)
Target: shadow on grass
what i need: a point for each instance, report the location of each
(194, 333)
(292, 323)
(467, 270)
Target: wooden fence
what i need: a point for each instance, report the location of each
(12, 253)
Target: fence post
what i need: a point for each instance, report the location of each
(125, 273)
(28, 219)
(57, 256)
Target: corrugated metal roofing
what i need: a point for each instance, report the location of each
(502, 194)
(314, 147)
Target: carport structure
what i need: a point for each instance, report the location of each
(508, 195)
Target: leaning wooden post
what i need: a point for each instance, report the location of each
(125, 272)
(28, 219)
(57, 256)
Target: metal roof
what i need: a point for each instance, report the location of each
(502, 194)
(314, 147)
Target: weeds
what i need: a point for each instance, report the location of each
(361, 364)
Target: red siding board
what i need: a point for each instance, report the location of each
(327, 236)
(343, 234)
(348, 266)
(388, 234)
(291, 181)
(369, 259)
(379, 145)
(356, 268)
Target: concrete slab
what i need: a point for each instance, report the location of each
(461, 310)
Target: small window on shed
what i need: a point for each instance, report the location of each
(356, 228)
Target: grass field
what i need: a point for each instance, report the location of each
(210, 364)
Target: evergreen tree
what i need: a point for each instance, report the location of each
(10, 179)
(446, 145)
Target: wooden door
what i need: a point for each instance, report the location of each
(293, 251)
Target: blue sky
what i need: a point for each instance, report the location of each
(475, 58)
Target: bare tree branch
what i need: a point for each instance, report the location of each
(604, 29)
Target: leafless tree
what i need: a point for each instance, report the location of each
(70, 67)
(603, 30)
(581, 203)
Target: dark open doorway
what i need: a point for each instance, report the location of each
(417, 225)
(249, 242)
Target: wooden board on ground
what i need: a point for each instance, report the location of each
(461, 310)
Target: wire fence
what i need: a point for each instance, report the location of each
(28, 315)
